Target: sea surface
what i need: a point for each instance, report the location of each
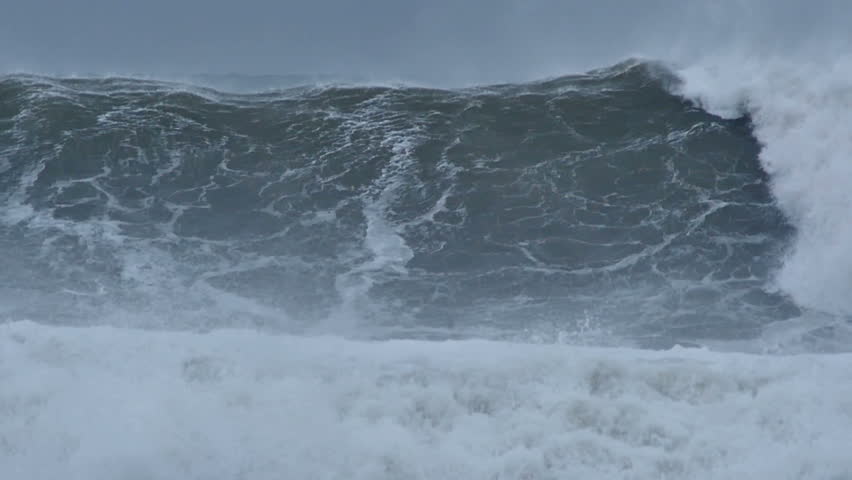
(637, 272)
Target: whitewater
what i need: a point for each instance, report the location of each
(638, 272)
(102, 403)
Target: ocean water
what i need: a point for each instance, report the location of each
(636, 272)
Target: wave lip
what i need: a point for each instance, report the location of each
(800, 113)
(110, 403)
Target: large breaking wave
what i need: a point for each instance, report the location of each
(636, 205)
(601, 200)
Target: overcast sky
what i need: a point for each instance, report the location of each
(429, 40)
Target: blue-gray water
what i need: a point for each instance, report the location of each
(600, 206)
(304, 277)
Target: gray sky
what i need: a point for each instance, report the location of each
(449, 41)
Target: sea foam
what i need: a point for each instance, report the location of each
(801, 111)
(108, 403)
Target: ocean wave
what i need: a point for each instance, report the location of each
(366, 208)
(800, 111)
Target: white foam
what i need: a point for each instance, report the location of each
(386, 249)
(802, 112)
(107, 403)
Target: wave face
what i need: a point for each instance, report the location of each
(599, 206)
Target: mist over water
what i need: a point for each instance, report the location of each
(389, 240)
(438, 43)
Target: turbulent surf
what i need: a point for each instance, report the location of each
(440, 236)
